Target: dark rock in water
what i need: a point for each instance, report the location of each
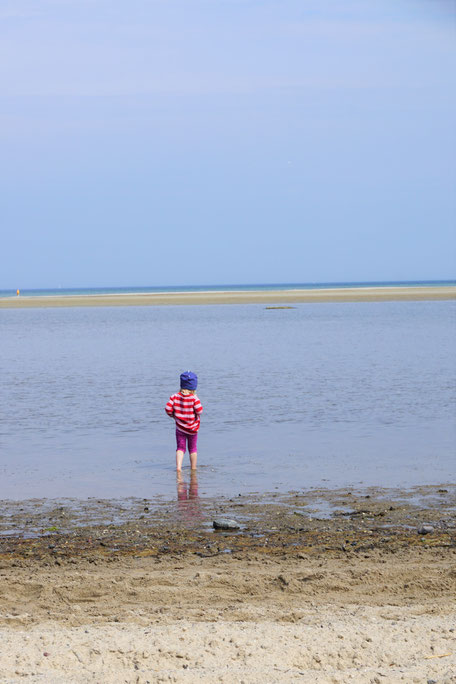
(225, 524)
(425, 529)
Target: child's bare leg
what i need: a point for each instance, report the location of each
(179, 459)
(193, 459)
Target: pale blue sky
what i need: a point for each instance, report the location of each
(162, 142)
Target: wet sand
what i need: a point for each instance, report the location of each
(359, 294)
(319, 586)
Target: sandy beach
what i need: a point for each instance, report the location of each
(271, 297)
(293, 596)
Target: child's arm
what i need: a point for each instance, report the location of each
(169, 408)
(197, 407)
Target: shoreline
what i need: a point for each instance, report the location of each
(319, 512)
(356, 594)
(289, 296)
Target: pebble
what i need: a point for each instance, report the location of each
(225, 524)
(425, 529)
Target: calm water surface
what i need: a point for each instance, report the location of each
(320, 395)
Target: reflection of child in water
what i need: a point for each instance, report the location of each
(185, 408)
(187, 498)
(184, 494)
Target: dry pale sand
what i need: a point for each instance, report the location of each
(357, 597)
(369, 618)
(271, 297)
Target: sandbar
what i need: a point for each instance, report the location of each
(290, 296)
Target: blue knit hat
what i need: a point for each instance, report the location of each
(188, 380)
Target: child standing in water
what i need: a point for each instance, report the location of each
(185, 408)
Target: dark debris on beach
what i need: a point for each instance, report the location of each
(300, 524)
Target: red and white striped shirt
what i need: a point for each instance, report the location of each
(186, 410)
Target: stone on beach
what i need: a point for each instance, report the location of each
(225, 524)
(425, 529)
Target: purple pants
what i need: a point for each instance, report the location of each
(182, 439)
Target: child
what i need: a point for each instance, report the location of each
(185, 408)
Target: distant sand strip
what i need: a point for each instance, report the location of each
(357, 294)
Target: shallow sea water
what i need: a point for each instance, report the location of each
(320, 395)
